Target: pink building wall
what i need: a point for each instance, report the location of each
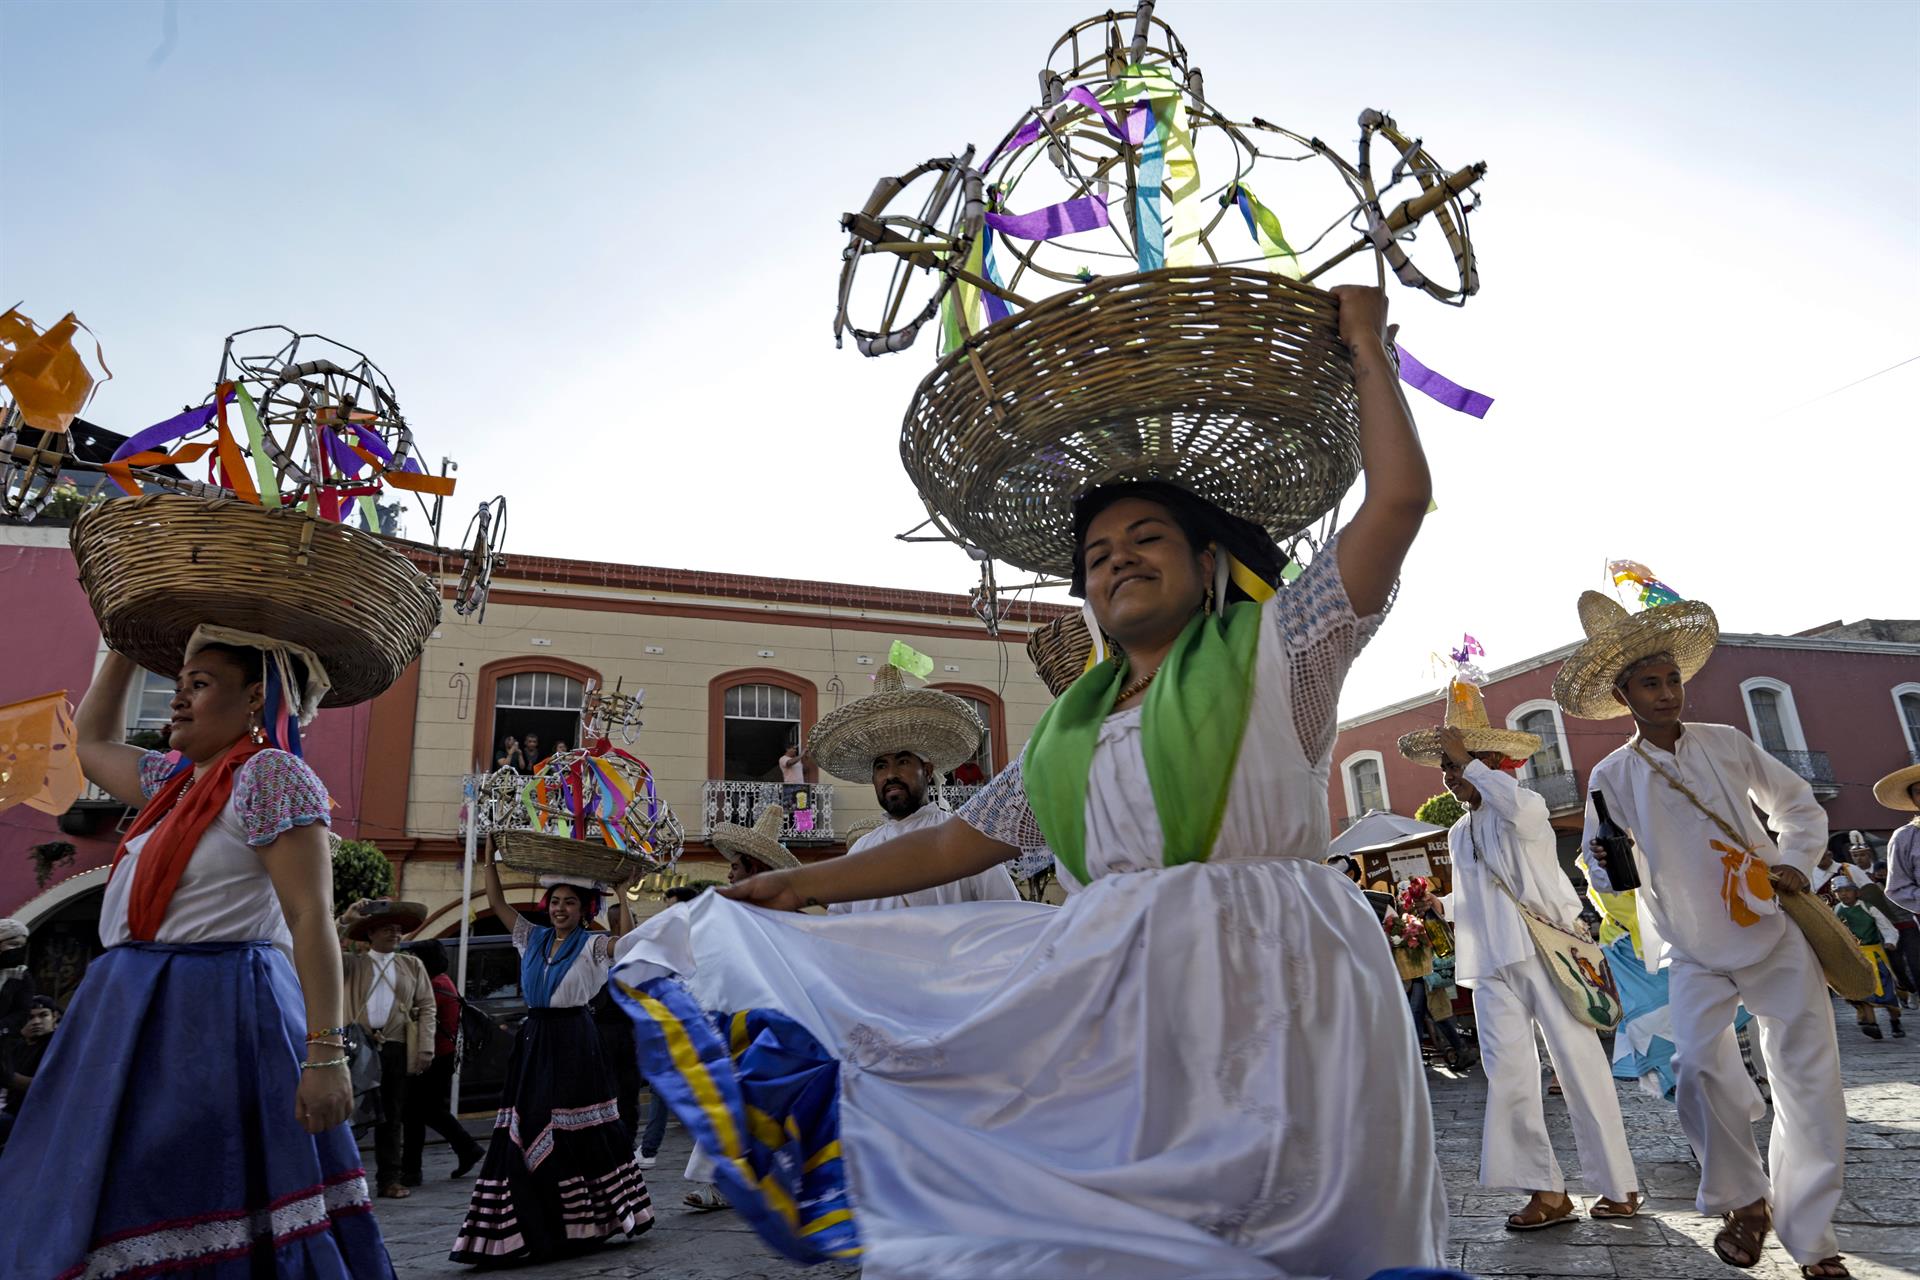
(1844, 697)
(50, 640)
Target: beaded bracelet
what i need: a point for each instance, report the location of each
(324, 1032)
(330, 1062)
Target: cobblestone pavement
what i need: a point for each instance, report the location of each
(1878, 1222)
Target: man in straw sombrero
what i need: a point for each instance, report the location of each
(389, 999)
(1708, 869)
(1504, 856)
(1900, 791)
(901, 740)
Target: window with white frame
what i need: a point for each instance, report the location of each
(1771, 716)
(150, 710)
(1906, 704)
(1365, 775)
(537, 710)
(761, 722)
(1542, 718)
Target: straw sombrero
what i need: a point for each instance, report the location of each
(1617, 639)
(936, 726)
(1892, 790)
(760, 842)
(1467, 712)
(408, 915)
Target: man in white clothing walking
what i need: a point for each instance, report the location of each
(1709, 876)
(901, 740)
(1504, 856)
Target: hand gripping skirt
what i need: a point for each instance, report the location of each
(559, 1174)
(160, 1139)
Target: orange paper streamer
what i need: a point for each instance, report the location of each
(50, 384)
(39, 765)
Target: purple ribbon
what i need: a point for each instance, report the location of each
(1139, 121)
(350, 462)
(1441, 388)
(173, 428)
(1055, 220)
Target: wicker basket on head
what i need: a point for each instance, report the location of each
(1228, 381)
(154, 568)
(539, 854)
(1060, 651)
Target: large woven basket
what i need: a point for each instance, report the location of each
(1059, 652)
(1229, 381)
(156, 567)
(540, 854)
(1845, 965)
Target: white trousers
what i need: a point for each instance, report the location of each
(1515, 1152)
(1787, 995)
(700, 1165)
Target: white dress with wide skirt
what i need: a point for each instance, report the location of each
(1199, 1070)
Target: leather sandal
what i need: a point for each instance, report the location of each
(394, 1191)
(1745, 1232)
(1834, 1268)
(1605, 1208)
(707, 1199)
(1537, 1216)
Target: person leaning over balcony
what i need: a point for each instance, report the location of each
(192, 1109)
(1900, 791)
(1686, 794)
(900, 740)
(1504, 859)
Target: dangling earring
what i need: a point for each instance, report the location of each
(255, 732)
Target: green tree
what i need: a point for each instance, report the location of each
(1441, 810)
(360, 870)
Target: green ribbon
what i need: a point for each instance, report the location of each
(257, 446)
(1192, 720)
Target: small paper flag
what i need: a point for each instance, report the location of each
(909, 660)
(39, 765)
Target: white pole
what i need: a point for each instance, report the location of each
(471, 789)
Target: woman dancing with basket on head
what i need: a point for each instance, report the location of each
(1201, 1064)
(222, 967)
(560, 1173)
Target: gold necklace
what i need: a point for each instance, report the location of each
(1136, 687)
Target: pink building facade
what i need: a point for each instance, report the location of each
(1840, 712)
(52, 643)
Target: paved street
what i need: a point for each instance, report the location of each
(1879, 1220)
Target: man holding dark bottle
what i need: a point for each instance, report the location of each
(1708, 873)
(1504, 858)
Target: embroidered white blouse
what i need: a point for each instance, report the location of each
(585, 976)
(225, 894)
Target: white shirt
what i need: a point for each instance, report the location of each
(1508, 835)
(1681, 909)
(224, 895)
(991, 885)
(380, 992)
(584, 977)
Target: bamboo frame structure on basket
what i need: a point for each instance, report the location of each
(592, 809)
(1144, 315)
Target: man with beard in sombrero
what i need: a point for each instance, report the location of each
(1708, 869)
(901, 740)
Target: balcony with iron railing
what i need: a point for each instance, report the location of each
(741, 802)
(1814, 767)
(1560, 789)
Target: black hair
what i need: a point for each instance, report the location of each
(430, 953)
(685, 892)
(1203, 523)
(253, 662)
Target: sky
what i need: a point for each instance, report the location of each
(595, 247)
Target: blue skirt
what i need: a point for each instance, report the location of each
(159, 1136)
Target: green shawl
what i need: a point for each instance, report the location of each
(1192, 720)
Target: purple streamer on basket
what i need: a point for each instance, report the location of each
(350, 462)
(1139, 120)
(173, 428)
(996, 305)
(1065, 218)
(1442, 388)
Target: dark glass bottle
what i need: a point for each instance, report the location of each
(1622, 872)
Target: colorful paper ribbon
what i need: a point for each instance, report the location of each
(1441, 388)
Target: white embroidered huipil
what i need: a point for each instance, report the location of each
(991, 885)
(1681, 907)
(1197, 1070)
(1508, 836)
